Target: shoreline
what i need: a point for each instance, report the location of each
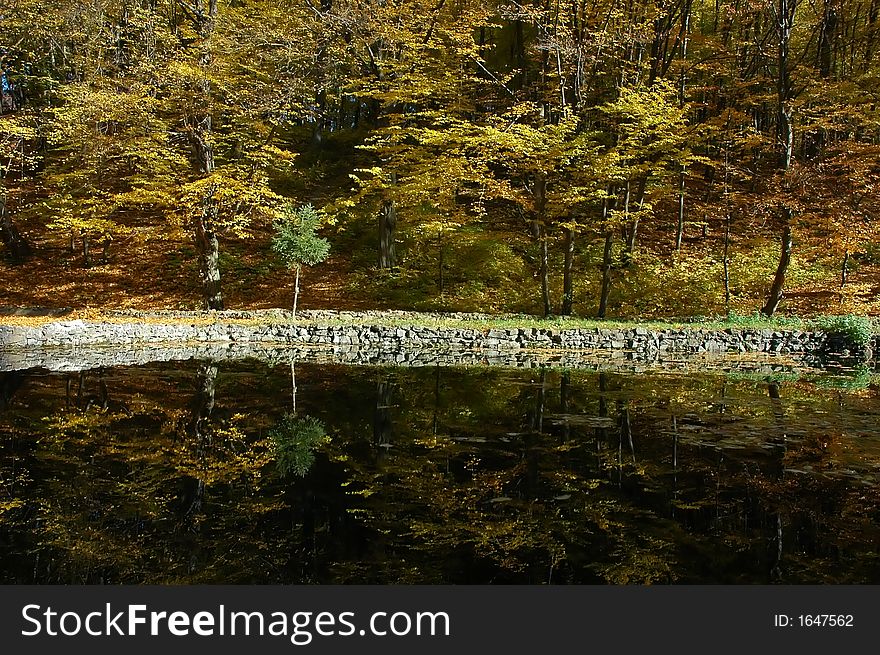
(385, 333)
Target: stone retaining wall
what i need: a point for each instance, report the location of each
(638, 342)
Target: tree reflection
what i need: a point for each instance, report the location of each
(132, 475)
(295, 439)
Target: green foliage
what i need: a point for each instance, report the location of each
(295, 439)
(857, 379)
(856, 330)
(295, 241)
(759, 320)
(663, 286)
(480, 274)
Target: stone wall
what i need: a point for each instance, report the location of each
(636, 339)
(353, 331)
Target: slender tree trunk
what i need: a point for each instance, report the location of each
(606, 276)
(682, 83)
(607, 207)
(387, 227)
(727, 264)
(545, 271)
(296, 290)
(775, 295)
(632, 232)
(567, 278)
(871, 33)
(200, 135)
(784, 23)
(679, 232)
(87, 251)
(539, 231)
(18, 247)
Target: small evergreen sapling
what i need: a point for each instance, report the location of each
(296, 243)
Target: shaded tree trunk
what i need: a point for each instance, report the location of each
(387, 227)
(545, 269)
(539, 230)
(606, 276)
(727, 264)
(567, 278)
(776, 289)
(205, 230)
(87, 251)
(607, 206)
(633, 229)
(18, 247)
(679, 231)
(209, 255)
(871, 33)
(784, 22)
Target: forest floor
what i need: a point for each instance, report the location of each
(155, 274)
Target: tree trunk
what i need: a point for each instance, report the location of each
(18, 247)
(296, 290)
(776, 289)
(206, 241)
(607, 207)
(679, 232)
(209, 255)
(545, 271)
(87, 251)
(784, 23)
(539, 229)
(827, 36)
(632, 231)
(387, 227)
(567, 281)
(727, 264)
(606, 276)
(871, 33)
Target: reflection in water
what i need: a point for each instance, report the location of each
(207, 473)
(295, 439)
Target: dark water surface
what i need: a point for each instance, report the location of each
(207, 473)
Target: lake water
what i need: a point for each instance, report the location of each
(202, 472)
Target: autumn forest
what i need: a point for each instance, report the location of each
(600, 158)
